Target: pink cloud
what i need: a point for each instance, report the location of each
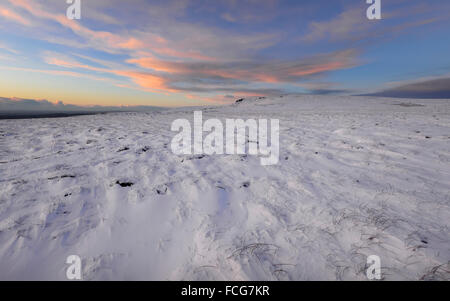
(187, 64)
(147, 81)
(264, 72)
(11, 15)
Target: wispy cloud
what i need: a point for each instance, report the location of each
(190, 57)
(352, 24)
(169, 76)
(13, 16)
(8, 49)
(421, 88)
(344, 26)
(20, 105)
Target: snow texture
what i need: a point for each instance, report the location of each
(357, 176)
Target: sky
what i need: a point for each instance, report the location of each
(200, 52)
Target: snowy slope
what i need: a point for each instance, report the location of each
(357, 176)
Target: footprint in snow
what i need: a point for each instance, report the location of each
(245, 184)
(123, 149)
(161, 189)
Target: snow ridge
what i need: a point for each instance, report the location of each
(357, 176)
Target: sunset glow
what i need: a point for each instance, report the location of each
(181, 53)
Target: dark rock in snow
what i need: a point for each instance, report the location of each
(124, 184)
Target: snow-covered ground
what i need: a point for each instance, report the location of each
(357, 176)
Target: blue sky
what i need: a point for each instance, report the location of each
(175, 53)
